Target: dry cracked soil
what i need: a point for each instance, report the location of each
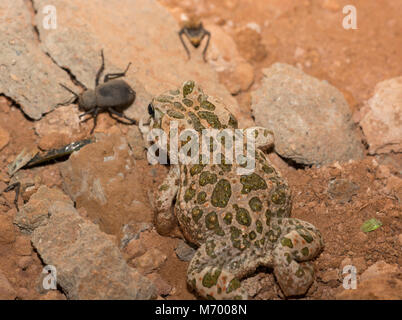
(266, 59)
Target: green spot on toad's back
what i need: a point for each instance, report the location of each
(255, 204)
(196, 122)
(233, 285)
(189, 194)
(252, 182)
(221, 194)
(371, 225)
(268, 169)
(305, 235)
(210, 248)
(305, 252)
(228, 218)
(207, 178)
(268, 216)
(242, 216)
(179, 106)
(174, 92)
(196, 214)
(235, 233)
(211, 278)
(211, 118)
(164, 187)
(175, 114)
(196, 169)
(189, 103)
(252, 235)
(211, 221)
(188, 88)
(259, 227)
(279, 197)
(165, 99)
(207, 105)
(286, 242)
(232, 122)
(201, 197)
(202, 97)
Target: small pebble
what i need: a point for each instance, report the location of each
(184, 252)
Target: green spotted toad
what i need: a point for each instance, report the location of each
(239, 222)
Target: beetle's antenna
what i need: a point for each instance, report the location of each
(68, 89)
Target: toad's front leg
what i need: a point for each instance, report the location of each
(165, 220)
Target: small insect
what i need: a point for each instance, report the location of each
(17, 187)
(112, 96)
(195, 33)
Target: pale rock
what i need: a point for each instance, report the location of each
(89, 264)
(310, 119)
(382, 117)
(103, 178)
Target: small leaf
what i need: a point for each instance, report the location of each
(371, 225)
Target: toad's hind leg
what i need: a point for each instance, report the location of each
(215, 271)
(301, 242)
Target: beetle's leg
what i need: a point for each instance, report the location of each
(208, 34)
(111, 76)
(95, 116)
(181, 32)
(17, 187)
(102, 67)
(88, 112)
(121, 115)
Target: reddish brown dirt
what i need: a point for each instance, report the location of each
(352, 60)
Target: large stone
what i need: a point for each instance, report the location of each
(382, 117)
(27, 74)
(104, 179)
(310, 118)
(35, 211)
(89, 264)
(147, 37)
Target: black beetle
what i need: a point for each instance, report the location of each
(112, 96)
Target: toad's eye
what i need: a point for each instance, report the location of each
(151, 110)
